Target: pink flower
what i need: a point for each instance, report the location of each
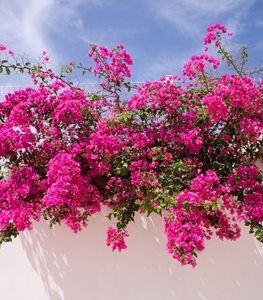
(115, 239)
(2, 47)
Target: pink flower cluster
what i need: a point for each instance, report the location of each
(21, 185)
(115, 239)
(214, 32)
(184, 151)
(196, 213)
(112, 63)
(196, 66)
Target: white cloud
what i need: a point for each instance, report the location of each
(23, 25)
(26, 26)
(190, 16)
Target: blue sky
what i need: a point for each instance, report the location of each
(159, 34)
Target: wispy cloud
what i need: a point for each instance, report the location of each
(190, 16)
(23, 25)
(27, 26)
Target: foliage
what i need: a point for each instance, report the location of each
(184, 149)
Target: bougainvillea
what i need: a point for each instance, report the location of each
(184, 148)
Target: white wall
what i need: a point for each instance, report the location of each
(57, 264)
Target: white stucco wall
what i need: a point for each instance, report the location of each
(57, 264)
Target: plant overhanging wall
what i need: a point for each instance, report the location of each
(182, 147)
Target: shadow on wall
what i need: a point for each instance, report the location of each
(81, 267)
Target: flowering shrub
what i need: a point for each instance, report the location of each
(185, 151)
